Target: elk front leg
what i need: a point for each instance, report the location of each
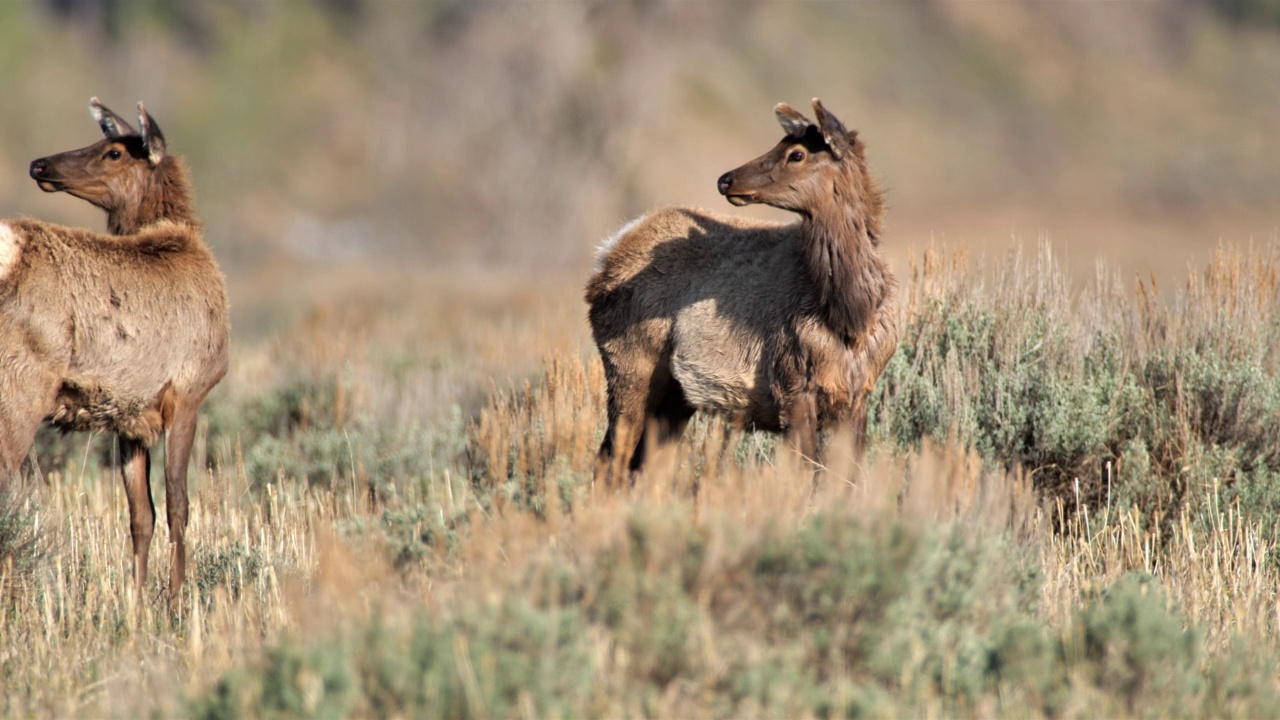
(135, 467)
(802, 426)
(177, 453)
(858, 422)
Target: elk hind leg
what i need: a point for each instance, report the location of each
(668, 413)
(618, 450)
(627, 409)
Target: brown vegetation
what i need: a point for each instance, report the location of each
(124, 333)
(779, 327)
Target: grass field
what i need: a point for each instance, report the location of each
(1071, 498)
(1067, 510)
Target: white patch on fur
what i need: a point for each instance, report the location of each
(10, 249)
(610, 242)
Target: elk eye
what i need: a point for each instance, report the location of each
(114, 154)
(795, 156)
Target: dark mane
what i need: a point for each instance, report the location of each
(850, 280)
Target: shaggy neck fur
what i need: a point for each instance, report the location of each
(166, 195)
(851, 280)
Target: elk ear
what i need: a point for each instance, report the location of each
(795, 124)
(113, 126)
(152, 138)
(833, 131)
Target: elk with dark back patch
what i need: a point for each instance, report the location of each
(781, 327)
(124, 333)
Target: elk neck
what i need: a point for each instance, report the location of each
(164, 195)
(850, 279)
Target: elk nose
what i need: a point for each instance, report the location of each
(39, 168)
(724, 183)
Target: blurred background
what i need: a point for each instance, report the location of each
(385, 139)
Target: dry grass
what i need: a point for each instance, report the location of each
(1068, 509)
(77, 638)
(695, 593)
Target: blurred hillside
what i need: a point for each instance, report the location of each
(516, 134)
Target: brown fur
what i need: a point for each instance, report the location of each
(782, 327)
(114, 333)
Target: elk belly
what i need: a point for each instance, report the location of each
(716, 363)
(87, 405)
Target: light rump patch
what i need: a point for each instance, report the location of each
(10, 249)
(610, 242)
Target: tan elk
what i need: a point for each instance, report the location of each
(781, 327)
(123, 333)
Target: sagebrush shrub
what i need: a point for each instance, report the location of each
(1102, 395)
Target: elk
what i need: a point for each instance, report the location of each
(125, 333)
(780, 327)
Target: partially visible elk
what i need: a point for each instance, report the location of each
(122, 333)
(781, 327)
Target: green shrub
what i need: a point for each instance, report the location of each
(1102, 398)
(307, 430)
(1134, 646)
(300, 405)
(490, 662)
(414, 532)
(833, 617)
(232, 566)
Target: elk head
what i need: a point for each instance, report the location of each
(797, 173)
(111, 173)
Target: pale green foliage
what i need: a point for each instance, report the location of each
(1075, 385)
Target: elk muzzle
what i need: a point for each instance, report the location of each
(42, 173)
(725, 185)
